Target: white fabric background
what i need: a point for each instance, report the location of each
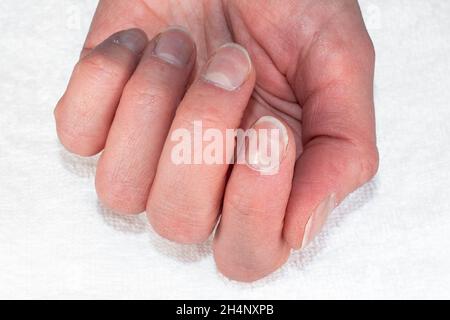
(391, 239)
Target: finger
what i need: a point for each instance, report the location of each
(249, 242)
(186, 196)
(86, 110)
(109, 18)
(326, 173)
(128, 164)
(335, 87)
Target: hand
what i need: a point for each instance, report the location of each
(310, 75)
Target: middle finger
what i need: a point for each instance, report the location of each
(186, 196)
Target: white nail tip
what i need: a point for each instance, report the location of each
(170, 58)
(255, 157)
(278, 124)
(229, 67)
(317, 219)
(239, 47)
(221, 80)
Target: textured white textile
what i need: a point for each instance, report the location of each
(390, 239)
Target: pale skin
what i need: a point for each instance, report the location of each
(312, 68)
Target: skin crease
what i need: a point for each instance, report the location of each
(313, 67)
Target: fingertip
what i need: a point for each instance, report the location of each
(75, 138)
(118, 196)
(178, 226)
(248, 270)
(249, 244)
(85, 112)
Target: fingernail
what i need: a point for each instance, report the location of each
(229, 68)
(174, 46)
(317, 219)
(133, 39)
(267, 144)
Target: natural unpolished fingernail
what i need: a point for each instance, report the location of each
(133, 39)
(174, 46)
(318, 218)
(229, 68)
(267, 145)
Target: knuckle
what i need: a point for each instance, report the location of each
(370, 162)
(142, 97)
(120, 197)
(237, 208)
(370, 50)
(367, 161)
(247, 265)
(365, 53)
(76, 135)
(209, 118)
(70, 132)
(208, 108)
(100, 66)
(178, 225)
(240, 204)
(241, 272)
(346, 59)
(78, 139)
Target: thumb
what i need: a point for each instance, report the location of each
(327, 171)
